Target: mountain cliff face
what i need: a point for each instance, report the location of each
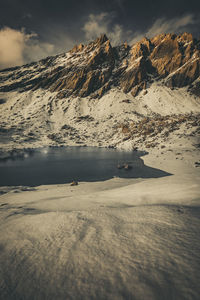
(91, 70)
(99, 95)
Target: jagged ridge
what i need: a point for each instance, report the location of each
(94, 68)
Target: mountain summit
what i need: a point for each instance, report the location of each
(91, 70)
(100, 95)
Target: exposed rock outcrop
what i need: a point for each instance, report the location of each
(91, 70)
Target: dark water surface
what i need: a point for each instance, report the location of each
(57, 165)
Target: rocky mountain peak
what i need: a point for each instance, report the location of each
(185, 37)
(77, 48)
(142, 48)
(102, 39)
(92, 69)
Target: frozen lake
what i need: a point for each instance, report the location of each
(114, 239)
(57, 165)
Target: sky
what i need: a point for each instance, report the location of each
(34, 29)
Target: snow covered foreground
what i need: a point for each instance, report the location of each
(118, 239)
(122, 238)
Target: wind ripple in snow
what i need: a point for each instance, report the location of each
(141, 252)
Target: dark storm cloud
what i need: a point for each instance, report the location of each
(42, 15)
(44, 27)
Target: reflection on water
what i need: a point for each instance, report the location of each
(56, 165)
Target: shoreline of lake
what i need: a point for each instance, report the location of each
(127, 233)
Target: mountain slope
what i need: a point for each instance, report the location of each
(101, 95)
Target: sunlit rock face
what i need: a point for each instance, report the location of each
(136, 74)
(91, 70)
(177, 57)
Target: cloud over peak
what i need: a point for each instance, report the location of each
(104, 23)
(17, 47)
(163, 25)
(12, 46)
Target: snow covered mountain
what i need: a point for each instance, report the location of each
(101, 95)
(123, 238)
(95, 68)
